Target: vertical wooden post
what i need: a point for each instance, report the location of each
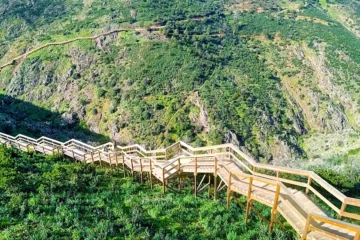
(274, 208)
(179, 174)
(254, 169)
(151, 184)
(306, 228)
(357, 235)
(209, 188)
(92, 157)
(73, 155)
(195, 174)
(343, 207)
(277, 174)
(117, 162)
(62, 150)
(229, 193)
(111, 170)
(20, 146)
(44, 149)
(249, 200)
(308, 185)
(100, 159)
(84, 158)
(215, 178)
(123, 163)
(163, 178)
(141, 171)
(132, 167)
(166, 154)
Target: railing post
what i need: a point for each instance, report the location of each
(111, 170)
(100, 159)
(141, 171)
(132, 168)
(308, 185)
(123, 162)
(248, 205)
(195, 174)
(209, 187)
(306, 228)
(215, 177)
(62, 150)
(73, 155)
(277, 174)
(151, 185)
(229, 192)
(357, 235)
(163, 178)
(116, 159)
(92, 157)
(342, 210)
(274, 208)
(179, 175)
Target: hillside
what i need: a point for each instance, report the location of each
(55, 198)
(279, 78)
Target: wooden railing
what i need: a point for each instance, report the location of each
(252, 167)
(248, 164)
(251, 179)
(311, 225)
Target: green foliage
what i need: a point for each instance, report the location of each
(141, 84)
(51, 197)
(347, 181)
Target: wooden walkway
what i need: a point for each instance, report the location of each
(284, 190)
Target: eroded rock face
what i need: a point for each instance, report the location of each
(232, 138)
(203, 119)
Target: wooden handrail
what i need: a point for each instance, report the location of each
(236, 154)
(334, 222)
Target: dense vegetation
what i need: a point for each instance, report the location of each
(277, 77)
(55, 198)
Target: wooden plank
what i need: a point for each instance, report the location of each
(352, 201)
(336, 209)
(336, 193)
(351, 215)
(296, 183)
(335, 222)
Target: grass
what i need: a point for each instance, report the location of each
(51, 198)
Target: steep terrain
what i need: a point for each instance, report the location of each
(278, 77)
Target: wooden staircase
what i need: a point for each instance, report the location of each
(276, 187)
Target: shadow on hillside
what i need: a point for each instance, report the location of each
(20, 117)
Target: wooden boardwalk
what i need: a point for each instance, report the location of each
(285, 190)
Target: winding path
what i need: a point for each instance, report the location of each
(25, 55)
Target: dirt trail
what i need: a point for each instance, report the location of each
(23, 56)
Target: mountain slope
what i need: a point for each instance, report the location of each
(277, 77)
